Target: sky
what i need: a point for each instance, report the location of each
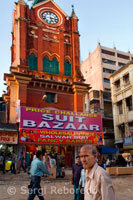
(104, 21)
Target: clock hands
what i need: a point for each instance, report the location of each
(50, 17)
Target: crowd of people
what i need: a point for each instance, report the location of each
(24, 160)
(89, 177)
(91, 181)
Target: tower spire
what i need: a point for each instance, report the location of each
(73, 15)
(21, 1)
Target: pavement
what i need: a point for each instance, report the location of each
(15, 187)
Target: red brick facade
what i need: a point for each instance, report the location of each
(31, 34)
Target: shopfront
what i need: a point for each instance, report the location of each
(8, 141)
(57, 132)
(8, 144)
(65, 153)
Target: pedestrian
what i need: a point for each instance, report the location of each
(4, 161)
(46, 160)
(34, 156)
(100, 158)
(76, 172)
(98, 183)
(37, 170)
(108, 162)
(14, 159)
(27, 160)
(82, 183)
(2, 166)
(52, 162)
(59, 166)
(22, 162)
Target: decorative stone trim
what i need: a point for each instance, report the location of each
(49, 31)
(34, 27)
(34, 36)
(50, 40)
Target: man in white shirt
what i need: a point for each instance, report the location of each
(98, 183)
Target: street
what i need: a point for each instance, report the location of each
(15, 187)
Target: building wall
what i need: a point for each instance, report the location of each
(118, 62)
(3, 111)
(120, 94)
(92, 69)
(32, 35)
(62, 99)
(96, 69)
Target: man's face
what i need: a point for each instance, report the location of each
(87, 158)
(78, 160)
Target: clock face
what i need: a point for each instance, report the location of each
(50, 17)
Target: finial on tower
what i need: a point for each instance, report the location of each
(21, 1)
(73, 12)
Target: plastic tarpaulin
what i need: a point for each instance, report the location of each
(108, 150)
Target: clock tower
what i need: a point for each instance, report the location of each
(45, 59)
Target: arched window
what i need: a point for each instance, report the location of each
(50, 66)
(46, 64)
(67, 68)
(55, 66)
(32, 62)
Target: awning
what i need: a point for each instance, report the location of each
(121, 124)
(108, 150)
(8, 127)
(119, 141)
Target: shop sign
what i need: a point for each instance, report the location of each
(8, 138)
(131, 130)
(56, 126)
(128, 141)
(60, 137)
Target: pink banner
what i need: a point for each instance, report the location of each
(77, 125)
